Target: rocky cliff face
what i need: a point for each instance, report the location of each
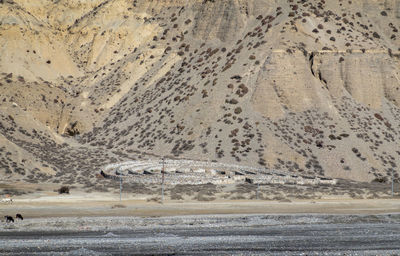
(309, 87)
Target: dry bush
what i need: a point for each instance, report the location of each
(238, 197)
(118, 206)
(380, 180)
(176, 196)
(203, 196)
(63, 190)
(154, 199)
(238, 110)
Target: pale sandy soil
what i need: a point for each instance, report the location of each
(44, 201)
(108, 204)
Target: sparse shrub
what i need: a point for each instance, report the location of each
(243, 90)
(176, 196)
(227, 66)
(238, 110)
(378, 116)
(63, 190)
(154, 199)
(21, 79)
(380, 180)
(232, 101)
(167, 49)
(118, 206)
(201, 197)
(376, 35)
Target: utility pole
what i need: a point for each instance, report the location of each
(392, 182)
(258, 183)
(162, 181)
(258, 188)
(120, 187)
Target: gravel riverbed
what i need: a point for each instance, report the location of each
(311, 234)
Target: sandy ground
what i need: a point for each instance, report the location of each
(108, 204)
(197, 200)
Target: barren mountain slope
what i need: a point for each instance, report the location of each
(310, 87)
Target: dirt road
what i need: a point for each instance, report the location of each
(59, 206)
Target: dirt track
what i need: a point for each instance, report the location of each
(61, 206)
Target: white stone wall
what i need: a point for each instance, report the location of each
(202, 172)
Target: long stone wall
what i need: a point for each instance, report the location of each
(202, 172)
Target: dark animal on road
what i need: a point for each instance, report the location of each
(19, 216)
(9, 219)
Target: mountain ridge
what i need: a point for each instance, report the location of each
(308, 87)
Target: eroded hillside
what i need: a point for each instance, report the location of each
(309, 87)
